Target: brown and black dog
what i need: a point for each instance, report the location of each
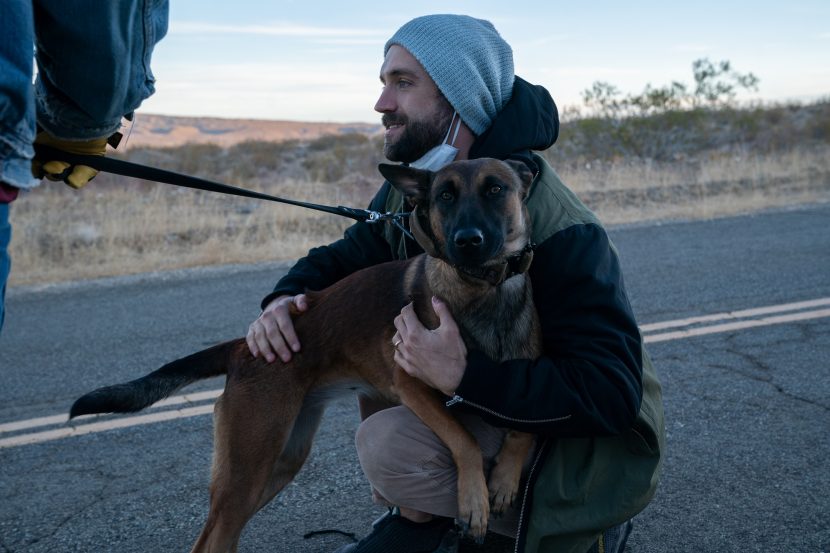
(472, 221)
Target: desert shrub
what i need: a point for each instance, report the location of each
(692, 133)
(334, 158)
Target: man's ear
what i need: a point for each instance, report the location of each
(524, 173)
(412, 183)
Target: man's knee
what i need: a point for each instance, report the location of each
(370, 436)
(397, 450)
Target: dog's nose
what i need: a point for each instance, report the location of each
(468, 238)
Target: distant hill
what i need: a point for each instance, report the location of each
(169, 131)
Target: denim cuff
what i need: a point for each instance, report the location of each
(16, 167)
(65, 121)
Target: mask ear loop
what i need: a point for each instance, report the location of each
(449, 130)
(457, 128)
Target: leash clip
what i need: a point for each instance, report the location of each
(395, 219)
(367, 215)
(371, 216)
(375, 216)
(378, 217)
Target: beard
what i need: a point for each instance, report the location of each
(418, 137)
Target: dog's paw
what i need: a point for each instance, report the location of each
(501, 500)
(473, 510)
(465, 528)
(503, 486)
(506, 475)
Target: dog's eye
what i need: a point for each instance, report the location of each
(446, 196)
(495, 189)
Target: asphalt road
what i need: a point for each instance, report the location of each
(747, 405)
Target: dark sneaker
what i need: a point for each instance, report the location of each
(394, 534)
(613, 540)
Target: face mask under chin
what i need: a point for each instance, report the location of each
(443, 154)
(437, 158)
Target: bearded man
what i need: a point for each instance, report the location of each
(593, 399)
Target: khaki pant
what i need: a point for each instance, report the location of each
(409, 466)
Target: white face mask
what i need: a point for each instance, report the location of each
(443, 154)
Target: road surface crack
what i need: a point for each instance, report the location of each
(766, 378)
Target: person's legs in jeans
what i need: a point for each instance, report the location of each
(17, 105)
(5, 261)
(17, 119)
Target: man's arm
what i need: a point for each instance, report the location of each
(363, 245)
(589, 380)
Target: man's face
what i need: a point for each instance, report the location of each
(415, 113)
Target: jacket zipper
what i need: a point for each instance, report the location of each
(458, 399)
(529, 482)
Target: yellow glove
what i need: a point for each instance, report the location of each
(75, 176)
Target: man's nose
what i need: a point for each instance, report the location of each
(386, 102)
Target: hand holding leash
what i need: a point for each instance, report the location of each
(75, 175)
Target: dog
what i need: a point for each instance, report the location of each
(471, 220)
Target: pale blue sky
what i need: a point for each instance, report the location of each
(318, 60)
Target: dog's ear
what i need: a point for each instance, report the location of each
(412, 183)
(524, 173)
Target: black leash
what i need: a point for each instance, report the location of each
(138, 171)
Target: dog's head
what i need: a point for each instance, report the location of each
(472, 210)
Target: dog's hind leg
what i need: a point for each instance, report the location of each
(250, 431)
(296, 449)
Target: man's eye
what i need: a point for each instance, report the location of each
(404, 84)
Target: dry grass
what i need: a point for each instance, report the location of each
(116, 227)
(720, 185)
(60, 234)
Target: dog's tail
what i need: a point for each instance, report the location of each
(140, 393)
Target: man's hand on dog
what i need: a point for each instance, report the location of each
(437, 357)
(272, 334)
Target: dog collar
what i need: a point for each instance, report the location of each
(516, 264)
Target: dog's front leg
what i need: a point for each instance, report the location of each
(473, 502)
(507, 471)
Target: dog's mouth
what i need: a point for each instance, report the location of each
(472, 259)
(497, 269)
(492, 271)
(474, 265)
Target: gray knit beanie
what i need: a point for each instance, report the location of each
(468, 60)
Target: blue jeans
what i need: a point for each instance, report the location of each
(17, 100)
(93, 60)
(5, 261)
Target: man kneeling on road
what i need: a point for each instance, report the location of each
(450, 93)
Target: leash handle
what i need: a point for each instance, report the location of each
(138, 171)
